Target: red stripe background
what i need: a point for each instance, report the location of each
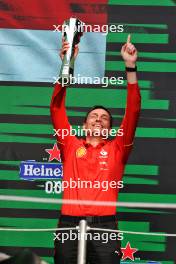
(43, 14)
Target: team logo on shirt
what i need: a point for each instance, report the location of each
(80, 152)
(103, 154)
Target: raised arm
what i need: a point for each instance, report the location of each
(133, 105)
(57, 106)
(58, 113)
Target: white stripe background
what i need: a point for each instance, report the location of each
(32, 55)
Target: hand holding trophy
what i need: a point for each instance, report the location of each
(71, 37)
(65, 47)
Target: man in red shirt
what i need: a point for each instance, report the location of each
(94, 160)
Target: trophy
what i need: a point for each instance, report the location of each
(71, 33)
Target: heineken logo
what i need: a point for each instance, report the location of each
(31, 169)
(40, 170)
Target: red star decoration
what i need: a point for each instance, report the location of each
(54, 153)
(128, 252)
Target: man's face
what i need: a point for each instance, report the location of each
(97, 121)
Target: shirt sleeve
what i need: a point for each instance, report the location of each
(59, 117)
(130, 120)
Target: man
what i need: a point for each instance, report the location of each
(95, 159)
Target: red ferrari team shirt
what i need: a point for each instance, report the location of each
(95, 171)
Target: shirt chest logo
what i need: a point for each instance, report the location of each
(80, 152)
(103, 160)
(103, 154)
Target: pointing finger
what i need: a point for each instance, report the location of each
(128, 39)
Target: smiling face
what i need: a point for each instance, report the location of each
(97, 121)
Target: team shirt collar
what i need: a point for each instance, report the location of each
(101, 144)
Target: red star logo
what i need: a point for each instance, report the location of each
(128, 252)
(54, 153)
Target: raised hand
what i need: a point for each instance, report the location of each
(129, 53)
(65, 47)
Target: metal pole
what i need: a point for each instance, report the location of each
(82, 242)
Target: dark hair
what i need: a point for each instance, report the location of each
(100, 107)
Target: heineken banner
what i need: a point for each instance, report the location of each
(31, 163)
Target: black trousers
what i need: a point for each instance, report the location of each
(101, 248)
